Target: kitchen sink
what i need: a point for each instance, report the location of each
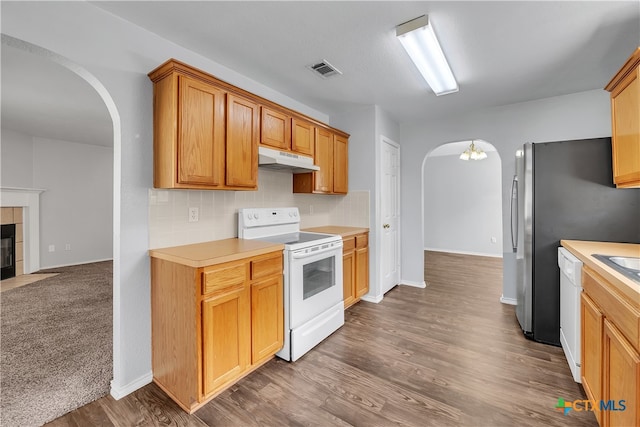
(627, 262)
(629, 266)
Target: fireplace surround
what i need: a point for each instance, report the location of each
(25, 203)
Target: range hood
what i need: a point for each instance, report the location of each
(281, 160)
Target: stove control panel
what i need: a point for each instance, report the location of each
(251, 220)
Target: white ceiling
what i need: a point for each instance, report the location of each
(500, 52)
(43, 99)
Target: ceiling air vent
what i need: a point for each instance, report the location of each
(324, 69)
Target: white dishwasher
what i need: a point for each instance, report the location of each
(570, 289)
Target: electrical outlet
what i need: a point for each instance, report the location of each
(310, 209)
(67, 247)
(52, 248)
(494, 240)
(193, 215)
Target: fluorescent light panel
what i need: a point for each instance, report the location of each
(420, 42)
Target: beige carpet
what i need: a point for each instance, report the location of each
(56, 344)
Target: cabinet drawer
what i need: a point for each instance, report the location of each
(215, 278)
(362, 241)
(613, 306)
(348, 244)
(267, 266)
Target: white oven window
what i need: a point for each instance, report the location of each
(318, 276)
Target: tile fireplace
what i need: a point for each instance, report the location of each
(8, 251)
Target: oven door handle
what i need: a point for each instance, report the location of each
(300, 255)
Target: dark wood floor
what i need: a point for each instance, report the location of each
(447, 355)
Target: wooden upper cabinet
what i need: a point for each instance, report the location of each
(332, 156)
(625, 122)
(242, 142)
(275, 129)
(303, 137)
(201, 133)
(340, 164)
(206, 134)
(323, 179)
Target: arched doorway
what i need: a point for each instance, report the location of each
(84, 91)
(462, 209)
(462, 200)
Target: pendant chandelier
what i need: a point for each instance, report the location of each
(473, 153)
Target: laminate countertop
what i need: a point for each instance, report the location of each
(583, 250)
(338, 229)
(215, 252)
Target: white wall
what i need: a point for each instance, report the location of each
(218, 210)
(119, 55)
(77, 206)
(575, 116)
(16, 159)
(463, 205)
(366, 125)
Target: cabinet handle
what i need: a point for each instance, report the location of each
(386, 226)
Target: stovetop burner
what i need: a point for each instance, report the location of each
(295, 238)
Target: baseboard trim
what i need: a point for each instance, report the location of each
(510, 301)
(119, 392)
(412, 283)
(374, 299)
(452, 251)
(75, 263)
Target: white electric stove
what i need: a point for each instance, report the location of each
(313, 296)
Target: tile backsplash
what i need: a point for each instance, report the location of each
(218, 210)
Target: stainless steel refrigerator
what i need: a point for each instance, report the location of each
(562, 190)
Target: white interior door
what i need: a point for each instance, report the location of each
(390, 214)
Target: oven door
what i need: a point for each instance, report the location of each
(315, 282)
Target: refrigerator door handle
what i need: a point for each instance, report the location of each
(514, 217)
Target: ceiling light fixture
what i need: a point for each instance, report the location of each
(473, 153)
(420, 42)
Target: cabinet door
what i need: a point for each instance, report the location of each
(303, 137)
(591, 348)
(242, 142)
(201, 133)
(323, 179)
(275, 129)
(267, 318)
(625, 110)
(226, 337)
(349, 278)
(340, 165)
(621, 380)
(362, 271)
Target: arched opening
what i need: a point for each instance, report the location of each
(63, 136)
(462, 208)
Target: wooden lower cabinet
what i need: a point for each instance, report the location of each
(610, 344)
(267, 318)
(213, 325)
(349, 271)
(591, 349)
(226, 337)
(362, 265)
(621, 386)
(355, 268)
